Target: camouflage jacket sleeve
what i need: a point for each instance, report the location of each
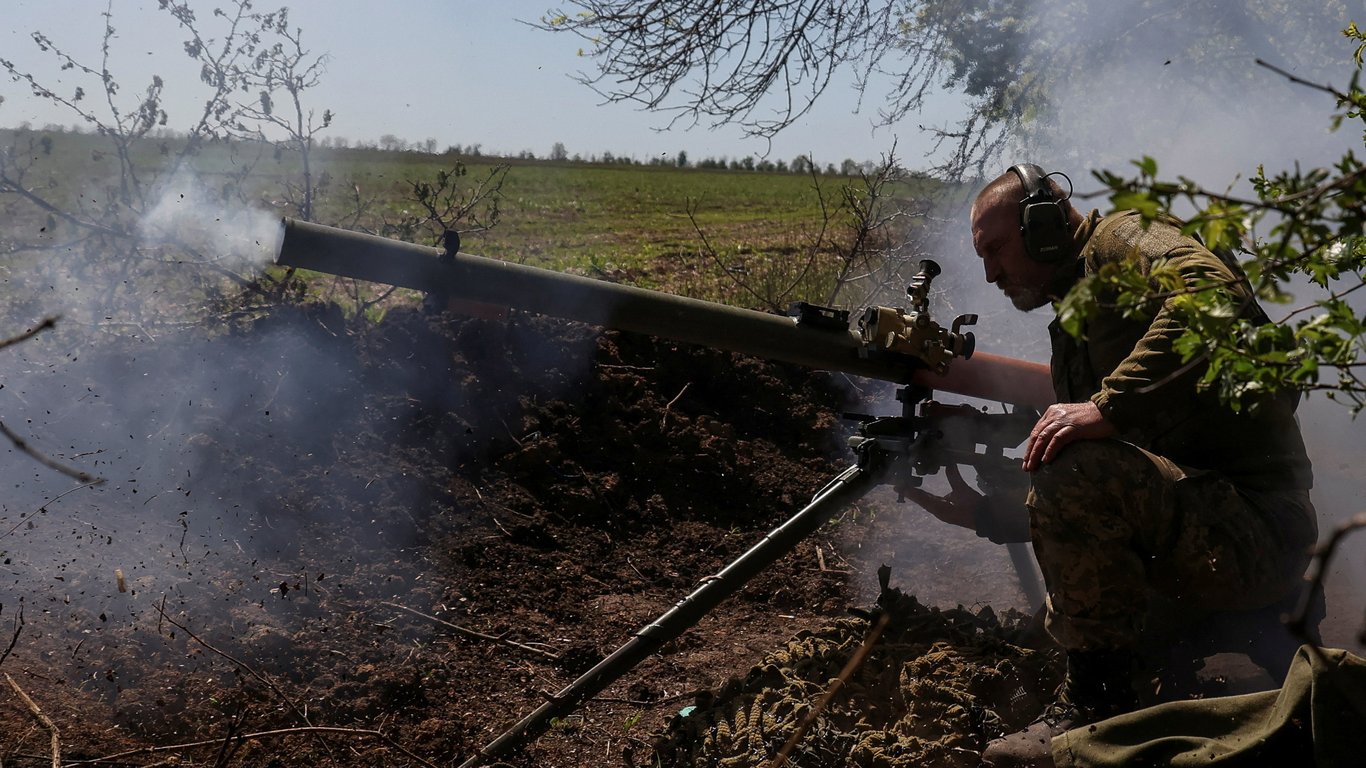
(1149, 388)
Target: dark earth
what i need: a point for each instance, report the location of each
(325, 542)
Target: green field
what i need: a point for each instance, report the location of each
(765, 233)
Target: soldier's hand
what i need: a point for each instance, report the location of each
(1063, 423)
(957, 507)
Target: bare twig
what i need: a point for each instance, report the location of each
(473, 635)
(277, 733)
(14, 640)
(45, 324)
(19, 442)
(1298, 623)
(288, 702)
(22, 445)
(836, 685)
(43, 508)
(1323, 555)
(1328, 89)
(708, 249)
(42, 718)
(231, 742)
(643, 704)
(665, 417)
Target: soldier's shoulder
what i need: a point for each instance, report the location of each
(1127, 235)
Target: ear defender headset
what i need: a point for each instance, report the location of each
(1043, 218)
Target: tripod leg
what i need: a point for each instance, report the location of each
(1022, 557)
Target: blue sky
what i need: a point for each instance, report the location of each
(461, 72)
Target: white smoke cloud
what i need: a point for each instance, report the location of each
(215, 228)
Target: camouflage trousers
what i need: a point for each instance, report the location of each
(1118, 530)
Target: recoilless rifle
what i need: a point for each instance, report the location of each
(900, 345)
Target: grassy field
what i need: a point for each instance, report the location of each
(640, 224)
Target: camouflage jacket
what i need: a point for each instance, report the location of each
(1129, 369)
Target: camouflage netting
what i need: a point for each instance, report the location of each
(934, 688)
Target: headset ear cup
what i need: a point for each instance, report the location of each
(1044, 228)
(1043, 219)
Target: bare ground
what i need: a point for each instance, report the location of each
(324, 545)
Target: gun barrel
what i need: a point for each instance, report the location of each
(320, 248)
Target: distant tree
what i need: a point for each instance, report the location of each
(682, 160)
(429, 146)
(557, 152)
(849, 167)
(801, 164)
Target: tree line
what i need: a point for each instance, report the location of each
(801, 164)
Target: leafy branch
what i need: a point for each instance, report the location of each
(1300, 230)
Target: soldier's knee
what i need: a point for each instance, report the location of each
(1086, 483)
(1079, 466)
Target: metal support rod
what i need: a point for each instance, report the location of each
(848, 486)
(1022, 557)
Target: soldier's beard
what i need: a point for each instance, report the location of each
(1026, 299)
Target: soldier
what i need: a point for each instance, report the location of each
(1145, 491)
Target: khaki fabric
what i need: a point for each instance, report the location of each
(1129, 368)
(1317, 718)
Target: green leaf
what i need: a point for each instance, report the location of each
(1140, 201)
